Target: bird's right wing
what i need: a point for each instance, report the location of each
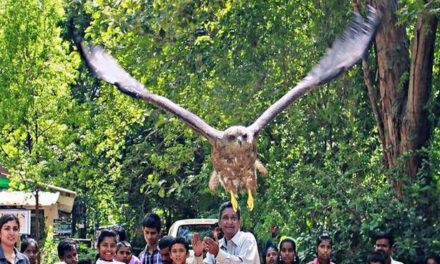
(345, 52)
(106, 68)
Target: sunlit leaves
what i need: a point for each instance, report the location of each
(226, 61)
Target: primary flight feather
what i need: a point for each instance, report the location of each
(234, 152)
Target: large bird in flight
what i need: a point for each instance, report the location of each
(234, 152)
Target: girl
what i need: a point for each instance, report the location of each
(288, 253)
(107, 247)
(270, 253)
(29, 247)
(123, 253)
(9, 231)
(323, 250)
(179, 250)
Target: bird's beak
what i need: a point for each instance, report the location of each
(240, 140)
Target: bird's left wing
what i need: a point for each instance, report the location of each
(345, 52)
(106, 68)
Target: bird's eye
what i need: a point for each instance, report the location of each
(231, 137)
(245, 136)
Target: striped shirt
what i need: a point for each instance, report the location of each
(147, 257)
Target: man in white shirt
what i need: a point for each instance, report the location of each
(235, 247)
(384, 243)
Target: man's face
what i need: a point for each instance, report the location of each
(151, 236)
(70, 257)
(229, 223)
(383, 246)
(165, 253)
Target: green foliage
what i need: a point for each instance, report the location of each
(226, 61)
(48, 251)
(85, 252)
(35, 105)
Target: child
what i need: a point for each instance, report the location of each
(287, 253)
(29, 247)
(179, 250)
(151, 228)
(270, 253)
(67, 251)
(375, 258)
(164, 249)
(107, 247)
(123, 253)
(323, 250)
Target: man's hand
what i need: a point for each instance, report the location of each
(197, 245)
(211, 246)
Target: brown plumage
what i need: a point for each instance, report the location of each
(234, 150)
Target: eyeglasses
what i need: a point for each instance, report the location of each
(227, 218)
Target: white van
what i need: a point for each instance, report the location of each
(186, 228)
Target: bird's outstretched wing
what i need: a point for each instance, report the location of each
(106, 68)
(345, 52)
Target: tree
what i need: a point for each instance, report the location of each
(402, 89)
(36, 71)
(333, 165)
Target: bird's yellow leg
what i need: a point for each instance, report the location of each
(250, 200)
(234, 201)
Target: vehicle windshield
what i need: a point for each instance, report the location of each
(187, 231)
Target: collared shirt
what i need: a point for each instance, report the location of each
(150, 258)
(242, 248)
(20, 258)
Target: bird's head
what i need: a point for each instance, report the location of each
(239, 136)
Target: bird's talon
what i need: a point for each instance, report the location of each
(250, 201)
(234, 201)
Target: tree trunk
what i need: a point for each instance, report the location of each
(405, 85)
(415, 127)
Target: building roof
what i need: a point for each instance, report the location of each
(64, 198)
(20, 198)
(27, 199)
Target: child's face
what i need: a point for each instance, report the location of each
(271, 256)
(178, 253)
(107, 249)
(123, 255)
(70, 256)
(151, 236)
(31, 252)
(287, 252)
(324, 250)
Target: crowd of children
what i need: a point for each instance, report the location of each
(236, 246)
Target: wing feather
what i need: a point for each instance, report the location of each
(345, 52)
(106, 68)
